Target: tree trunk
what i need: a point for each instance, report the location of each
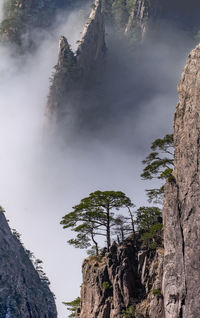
(132, 221)
(108, 227)
(96, 245)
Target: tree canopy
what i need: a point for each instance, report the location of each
(72, 306)
(159, 164)
(94, 216)
(149, 226)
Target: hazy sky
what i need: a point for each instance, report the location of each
(41, 180)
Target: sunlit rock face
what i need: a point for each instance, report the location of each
(76, 71)
(120, 280)
(181, 280)
(22, 293)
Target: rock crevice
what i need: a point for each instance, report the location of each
(122, 281)
(182, 202)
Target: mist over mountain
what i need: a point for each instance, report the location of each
(101, 134)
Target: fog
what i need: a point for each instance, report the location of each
(42, 179)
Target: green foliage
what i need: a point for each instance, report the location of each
(130, 4)
(118, 11)
(159, 164)
(2, 209)
(94, 216)
(73, 306)
(122, 227)
(129, 312)
(155, 195)
(146, 217)
(149, 222)
(157, 292)
(93, 6)
(106, 285)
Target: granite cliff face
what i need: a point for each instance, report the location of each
(181, 281)
(121, 282)
(151, 15)
(74, 71)
(142, 14)
(22, 293)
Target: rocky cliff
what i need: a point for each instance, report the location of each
(23, 20)
(75, 71)
(22, 293)
(21, 17)
(151, 15)
(142, 15)
(122, 283)
(181, 281)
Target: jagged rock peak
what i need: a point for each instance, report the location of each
(64, 53)
(74, 70)
(181, 212)
(91, 49)
(120, 282)
(23, 293)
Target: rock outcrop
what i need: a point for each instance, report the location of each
(21, 17)
(181, 280)
(121, 282)
(75, 71)
(23, 20)
(22, 292)
(151, 15)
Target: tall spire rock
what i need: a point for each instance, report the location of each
(23, 293)
(74, 71)
(181, 212)
(91, 50)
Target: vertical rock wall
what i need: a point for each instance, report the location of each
(151, 15)
(122, 281)
(181, 212)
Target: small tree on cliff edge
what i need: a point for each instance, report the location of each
(94, 216)
(159, 164)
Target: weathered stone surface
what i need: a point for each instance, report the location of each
(120, 279)
(92, 47)
(74, 71)
(150, 271)
(143, 13)
(181, 212)
(117, 269)
(149, 15)
(22, 293)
